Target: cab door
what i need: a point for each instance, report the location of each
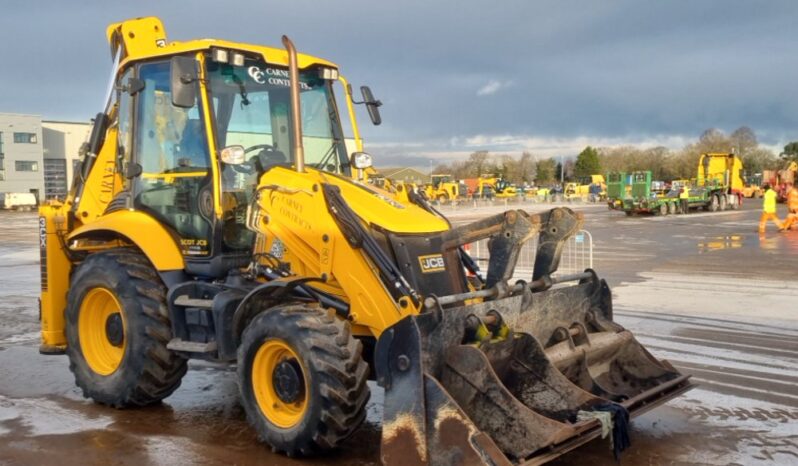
(175, 184)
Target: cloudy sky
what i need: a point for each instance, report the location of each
(458, 76)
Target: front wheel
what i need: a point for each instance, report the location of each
(672, 208)
(117, 328)
(302, 379)
(663, 209)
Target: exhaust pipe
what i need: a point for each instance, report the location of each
(293, 75)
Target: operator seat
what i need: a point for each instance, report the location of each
(192, 150)
(268, 158)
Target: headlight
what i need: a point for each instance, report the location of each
(233, 155)
(361, 160)
(328, 73)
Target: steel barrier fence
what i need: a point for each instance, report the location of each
(577, 256)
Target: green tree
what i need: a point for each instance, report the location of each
(790, 153)
(587, 163)
(544, 171)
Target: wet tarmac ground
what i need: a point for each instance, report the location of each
(704, 291)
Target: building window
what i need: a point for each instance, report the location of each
(25, 138)
(55, 179)
(26, 166)
(1, 145)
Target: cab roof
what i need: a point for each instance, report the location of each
(145, 38)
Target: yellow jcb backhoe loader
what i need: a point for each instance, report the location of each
(216, 215)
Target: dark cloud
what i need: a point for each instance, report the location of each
(451, 70)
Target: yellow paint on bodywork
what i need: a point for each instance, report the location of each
(55, 268)
(145, 38)
(103, 182)
(140, 229)
(300, 219)
(722, 168)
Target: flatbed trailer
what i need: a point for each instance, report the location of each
(718, 186)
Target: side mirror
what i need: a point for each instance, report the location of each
(184, 78)
(372, 105)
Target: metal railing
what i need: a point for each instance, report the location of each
(507, 202)
(577, 255)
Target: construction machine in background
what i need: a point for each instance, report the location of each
(752, 186)
(719, 183)
(644, 197)
(718, 186)
(593, 188)
(489, 186)
(778, 179)
(218, 216)
(444, 188)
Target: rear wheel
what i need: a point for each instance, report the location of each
(302, 379)
(722, 202)
(714, 203)
(663, 209)
(672, 208)
(117, 328)
(734, 201)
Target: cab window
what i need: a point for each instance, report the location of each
(175, 184)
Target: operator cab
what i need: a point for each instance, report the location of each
(200, 133)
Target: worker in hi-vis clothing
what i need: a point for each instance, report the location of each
(769, 209)
(684, 198)
(792, 207)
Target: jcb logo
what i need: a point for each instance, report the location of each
(432, 263)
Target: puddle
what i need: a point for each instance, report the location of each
(721, 242)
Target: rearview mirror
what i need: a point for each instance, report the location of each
(183, 76)
(372, 105)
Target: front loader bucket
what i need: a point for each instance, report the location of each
(521, 396)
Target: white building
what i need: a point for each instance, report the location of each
(61, 144)
(21, 164)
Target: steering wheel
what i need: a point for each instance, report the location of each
(248, 167)
(259, 146)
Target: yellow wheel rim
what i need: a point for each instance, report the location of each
(271, 354)
(99, 312)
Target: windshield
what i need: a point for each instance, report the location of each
(252, 105)
(252, 108)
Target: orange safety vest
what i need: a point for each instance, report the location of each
(792, 200)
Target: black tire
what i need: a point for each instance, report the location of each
(735, 201)
(148, 371)
(336, 376)
(714, 203)
(629, 213)
(663, 209)
(722, 202)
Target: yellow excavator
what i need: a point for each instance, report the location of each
(444, 188)
(216, 215)
(490, 185)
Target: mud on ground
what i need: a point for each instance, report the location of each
(704, 291)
